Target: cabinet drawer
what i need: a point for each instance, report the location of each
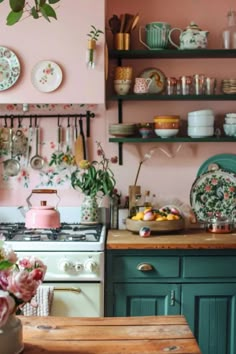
(204, 267)
(141, 267)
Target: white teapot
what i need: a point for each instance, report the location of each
(191, 38)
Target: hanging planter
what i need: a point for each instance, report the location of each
(91, 53)
(91, 48)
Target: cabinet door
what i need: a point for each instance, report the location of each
(210, 310)
(146, 299)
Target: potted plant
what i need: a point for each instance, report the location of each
(93, 35)
(19, 281)
(39, 8)
(94, 179)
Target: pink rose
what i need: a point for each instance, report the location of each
(7, 305)
(22, 285)
(37, 274)
(4, 274)
(8, 254)
(31, 263)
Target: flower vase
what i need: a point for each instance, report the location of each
(89, 210)
(91, 53)
(11, 336)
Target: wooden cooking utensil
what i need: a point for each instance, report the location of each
(122, 22)
(135, 21)
(79, 146)
(128, 22)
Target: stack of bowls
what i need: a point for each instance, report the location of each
(166, 126)
(122, 129)
(230, 124)
(201, 123)
(229, 86)
(123, 79)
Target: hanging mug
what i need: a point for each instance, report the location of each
(142, 85)
(156, 35)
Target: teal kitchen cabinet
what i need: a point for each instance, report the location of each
(210, 312)
(199, 284)
(146, 300)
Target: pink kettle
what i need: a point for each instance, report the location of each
(43, 216)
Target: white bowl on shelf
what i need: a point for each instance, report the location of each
(201, 112)
(231, 115)
(201, 120)
(230, 129)
(230, 120)
(200, 132)
(166, 133)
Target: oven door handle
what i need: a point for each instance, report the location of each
(76, 290)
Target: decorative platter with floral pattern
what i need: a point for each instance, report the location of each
(214, 193)
(9, 68)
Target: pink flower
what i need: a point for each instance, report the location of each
(7, 305)
(207, 188)
(22, 285)
(9, 254)
(4, 274)
(214, 181)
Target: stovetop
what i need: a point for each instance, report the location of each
(69, 237)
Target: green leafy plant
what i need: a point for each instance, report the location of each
(38, 9)
(95, 178)
(94, 33)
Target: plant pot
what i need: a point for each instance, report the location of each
(89, 210)
(11, 336)
(91, 52)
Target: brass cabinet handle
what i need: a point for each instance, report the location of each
(144, 267)
(76, 290)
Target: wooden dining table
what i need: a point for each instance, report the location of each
(106, 335)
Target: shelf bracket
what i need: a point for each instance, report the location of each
(120, 152)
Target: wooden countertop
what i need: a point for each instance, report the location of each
(191, 239)
(117, 335)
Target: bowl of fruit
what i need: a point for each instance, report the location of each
(165, 219)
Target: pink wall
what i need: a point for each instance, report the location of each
(63, 41)
(171, 178)
(168, 178)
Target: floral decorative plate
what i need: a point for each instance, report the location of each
(46, 76)
(9, 68)
(213, 193)
(158, 79)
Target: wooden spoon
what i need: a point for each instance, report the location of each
(79, 147)
(122, 22)
(128, 22)
(135, 21)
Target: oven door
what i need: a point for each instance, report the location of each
(77, 299)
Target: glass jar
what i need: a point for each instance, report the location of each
(229, 33)
(220, 224)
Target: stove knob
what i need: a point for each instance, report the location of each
(78, 267)
(65, 265)
(91, 266)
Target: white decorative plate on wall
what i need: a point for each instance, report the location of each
(46, 76)
(9, 68)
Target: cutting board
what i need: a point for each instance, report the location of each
(224, 161)
(79, 149)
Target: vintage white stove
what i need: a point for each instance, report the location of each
(74, 255)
